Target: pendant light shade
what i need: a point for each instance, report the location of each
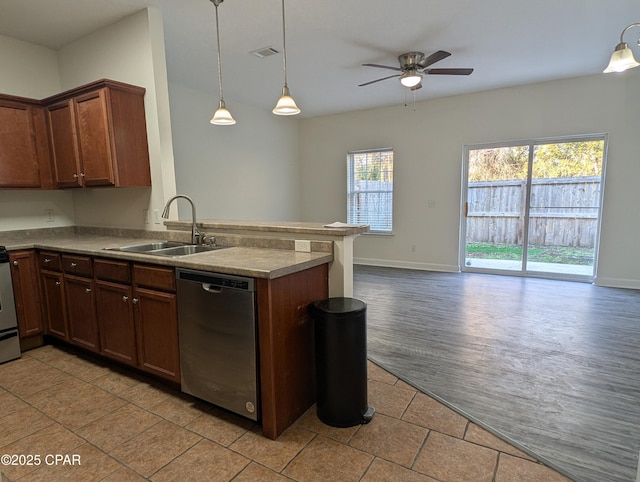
(222, 116)
(286, 105)
(622, 57)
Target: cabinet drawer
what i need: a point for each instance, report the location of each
(157, 277)
(49, 261)
(110, 270)
(78, 265)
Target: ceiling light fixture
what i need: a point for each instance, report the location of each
(286, 105)
(622, 57)
(410, 78)
(222, 116)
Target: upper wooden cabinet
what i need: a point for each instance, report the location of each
(98, 136)
(24, 151)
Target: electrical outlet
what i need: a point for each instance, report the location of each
(145, 216)
(303, 245)
(431, 203)
(156, 216)
(50, 215)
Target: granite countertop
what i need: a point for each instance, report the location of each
(243, 261)
(340, 230)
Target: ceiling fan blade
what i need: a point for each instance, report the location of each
(448, 71)
(433, 58)
(378, 80)
(383, 67)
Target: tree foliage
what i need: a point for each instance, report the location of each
(568, 159)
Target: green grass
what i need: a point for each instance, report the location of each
(543, 254)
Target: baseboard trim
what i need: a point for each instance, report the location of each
(617, 283)
(391, 263)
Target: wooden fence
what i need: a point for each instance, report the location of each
(564, 212)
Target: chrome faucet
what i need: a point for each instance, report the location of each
(196, 236)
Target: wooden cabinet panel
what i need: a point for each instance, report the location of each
(66, 161)
(110, 270)
(54, 304)
(114, 309)
(49, 261)
(77, 265)
(18, 154)
(81, 312)
(157, 277)
(156, 318)
(92, 133)
(26, 289)
(286, 339)
(99, 137)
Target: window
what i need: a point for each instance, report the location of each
(370, 189)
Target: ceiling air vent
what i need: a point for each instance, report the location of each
(264, 52)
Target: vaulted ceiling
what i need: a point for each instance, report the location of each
(507, 42)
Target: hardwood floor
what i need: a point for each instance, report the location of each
(552, 366)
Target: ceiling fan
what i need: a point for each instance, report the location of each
(413, 65)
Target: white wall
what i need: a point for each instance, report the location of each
(246, 171)
(132, 51)
(31, 71)
(428, 143)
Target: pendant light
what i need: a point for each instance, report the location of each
(622, 57)
(286, 105)
(222, 116)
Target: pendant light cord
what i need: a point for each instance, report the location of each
(284, 47)
(218, 42)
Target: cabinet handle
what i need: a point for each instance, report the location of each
(75, 176)
(125, 298)
(15, 263)
(47, 260)
(73, 265)
(82, 174)
(134, 301)
(57, 283)
(87, 290)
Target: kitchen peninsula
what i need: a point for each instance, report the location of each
(342, 236)
(287, 281)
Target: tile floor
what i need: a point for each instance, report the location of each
(125, 427)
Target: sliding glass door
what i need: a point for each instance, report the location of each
(533, 208)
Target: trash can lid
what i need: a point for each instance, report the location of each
(338, 306)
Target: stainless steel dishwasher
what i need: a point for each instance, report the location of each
(218, 346)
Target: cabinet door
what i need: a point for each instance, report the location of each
(157, 332)
(81, 310)
(94, 144)
(54, 306)
(26, 289)
(66, 163)
(19, 166)
(114, 309)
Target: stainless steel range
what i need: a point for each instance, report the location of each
(9, 340)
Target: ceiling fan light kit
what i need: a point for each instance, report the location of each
(222, 116)
(622, 57)
(411, 78)
(412, 67)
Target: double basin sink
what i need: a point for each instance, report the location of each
(167, 248)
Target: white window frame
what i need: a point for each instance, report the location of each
(376, 192)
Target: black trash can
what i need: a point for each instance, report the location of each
(341, 361)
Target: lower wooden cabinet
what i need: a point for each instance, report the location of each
(114, 309)
(55, 308)
(156, 319)
(26, 290)
(81, 312)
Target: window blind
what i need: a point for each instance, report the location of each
(370, 189)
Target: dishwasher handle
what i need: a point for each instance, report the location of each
(209, 288)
